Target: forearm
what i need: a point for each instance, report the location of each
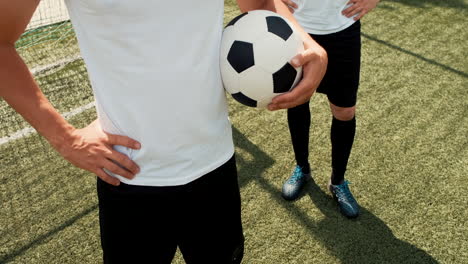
(21, 92)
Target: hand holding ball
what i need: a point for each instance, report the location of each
(256, 48)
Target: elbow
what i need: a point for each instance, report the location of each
(6, 43)
(258, 5)
(6, 47)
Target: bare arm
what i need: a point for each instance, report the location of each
(18, 87)
(87, 148)
(314, 58)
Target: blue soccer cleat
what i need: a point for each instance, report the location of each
(346, 202)
(293, 186)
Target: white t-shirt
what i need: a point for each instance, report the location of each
(322, 17)
(154, 69)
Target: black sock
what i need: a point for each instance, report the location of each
(342, 138)
(299, 125)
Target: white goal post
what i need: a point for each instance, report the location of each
(48, 12)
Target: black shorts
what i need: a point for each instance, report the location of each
(145, 224)
(341, 81)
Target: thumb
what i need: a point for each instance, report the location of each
(312, 53)
(298, 60)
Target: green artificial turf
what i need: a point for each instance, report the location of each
(408, 166)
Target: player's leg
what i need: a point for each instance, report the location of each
(342, 132)
(210, 226)
(346, 55)
(135, 224)
(299, 126)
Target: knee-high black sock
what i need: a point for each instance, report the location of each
(299, 125)
(342, 138)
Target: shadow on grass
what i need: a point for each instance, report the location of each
(424, 3)
(261, 164)
(430, 61)
(249, 171)
(43, 238)
(366, 239)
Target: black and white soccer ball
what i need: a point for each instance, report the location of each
(256, 49)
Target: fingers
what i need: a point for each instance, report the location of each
(299, 95)
(124, 161)
(117, 162)
(106, 177)
(122, 141)
(291, 4)
(361, 14)
(126, 165)
(304, 57)
(352, 10)
(116, 169)
(298, 60)
(359, 8)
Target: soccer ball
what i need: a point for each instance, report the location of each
(256, 48)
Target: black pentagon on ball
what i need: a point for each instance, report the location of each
(241, 56)
(284, 78)
(243, 99)
(234, 20)
(279, 27)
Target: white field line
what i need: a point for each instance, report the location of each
(63, 62)
(29, 130)
(48, 12)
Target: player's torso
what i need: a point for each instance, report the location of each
(322, 16)
(154, 68)
(319, 5)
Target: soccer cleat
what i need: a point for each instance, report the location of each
(292, 187)
(346, 202)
